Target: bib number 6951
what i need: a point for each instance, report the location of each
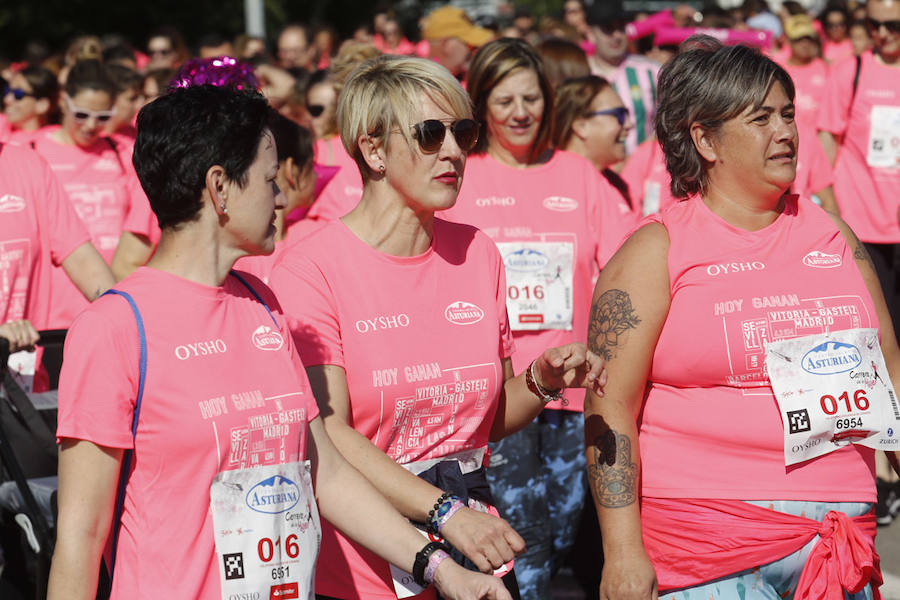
(830, 405)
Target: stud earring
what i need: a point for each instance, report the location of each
(224, 210)
(381, 168)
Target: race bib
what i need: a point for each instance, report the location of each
(884, 137)
(267, 531)
(538, 284)
(651, 198)
(832, 390)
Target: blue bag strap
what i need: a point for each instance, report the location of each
(255, 295)
(128, 454)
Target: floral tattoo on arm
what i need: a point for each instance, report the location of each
(611, 316)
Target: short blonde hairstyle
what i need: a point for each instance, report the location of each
(384, 94)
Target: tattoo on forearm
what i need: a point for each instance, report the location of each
(613, 476)
(860, 253)
(611, 316)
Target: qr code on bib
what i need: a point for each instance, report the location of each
(798, 421)
(234, 565)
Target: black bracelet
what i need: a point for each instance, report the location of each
(422, 556)
(430, 522)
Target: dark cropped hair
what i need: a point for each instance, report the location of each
(707, 83)
(184, 133)
(89, 75)
(43, 82)
(124, 78)
(492, 64)
(291, 140)
(573, 101)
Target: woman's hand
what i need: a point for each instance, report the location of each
(572, 365)
(628, 575)
(21, 335)
(486, 540)
(456, 583)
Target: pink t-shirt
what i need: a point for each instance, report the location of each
(814, 170)
(39, 228)
(710, 426)
(536, 213)
(421, 340)
(635, 82)
(835, 52)
(342, 193)
(224, 390)
(809, 83)
(648, 180)
(867, 168)
(102, 186)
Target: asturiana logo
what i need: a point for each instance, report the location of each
(274, 495)
(821, 260)
(463, 313)
(10, 203)
(560, 204)
(266, 338)
(525, 260)
(830, 358)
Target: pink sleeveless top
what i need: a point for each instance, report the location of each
(710, 426)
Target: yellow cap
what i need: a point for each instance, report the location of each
(799, 26)
(452, 21)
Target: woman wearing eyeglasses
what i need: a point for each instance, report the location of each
(556, 221)
(30, 102)
(95, 171)
(401, 321)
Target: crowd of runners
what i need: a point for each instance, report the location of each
(613, 291)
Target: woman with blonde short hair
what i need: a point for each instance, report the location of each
(401, 322)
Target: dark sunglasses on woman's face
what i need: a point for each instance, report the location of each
(891, 26)
(430, 134)
(619, 112)
(315, 110)
(18, 93)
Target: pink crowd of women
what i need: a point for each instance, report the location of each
(610, 292)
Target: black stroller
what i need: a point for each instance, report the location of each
(28, 456)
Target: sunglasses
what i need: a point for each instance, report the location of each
(18, 93)
(891, 26)
(82, 114)
(430, 134)
(619, 112)
(315, 110)
(611, 27)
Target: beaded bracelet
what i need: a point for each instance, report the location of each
(447, 510)
(434, 561)
(422, 559)
(431, 523)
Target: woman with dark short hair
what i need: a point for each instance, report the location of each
(193, 390)
(717, 465)
(30, 101)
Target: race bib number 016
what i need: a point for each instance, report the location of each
(832, 390)
(538, 284)
(267, 531)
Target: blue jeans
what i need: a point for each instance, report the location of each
(538, 480)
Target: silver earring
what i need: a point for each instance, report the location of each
(381, 168)
(224, 210)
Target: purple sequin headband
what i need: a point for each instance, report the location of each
(222, 71)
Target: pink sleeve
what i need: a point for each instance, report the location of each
(821, 174)
(99, 380)
(140, 219)
(612, 219)
(310, 311)
(635, 171)
(65, 229)
(835, 107)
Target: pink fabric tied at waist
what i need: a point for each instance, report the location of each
(694, 541)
